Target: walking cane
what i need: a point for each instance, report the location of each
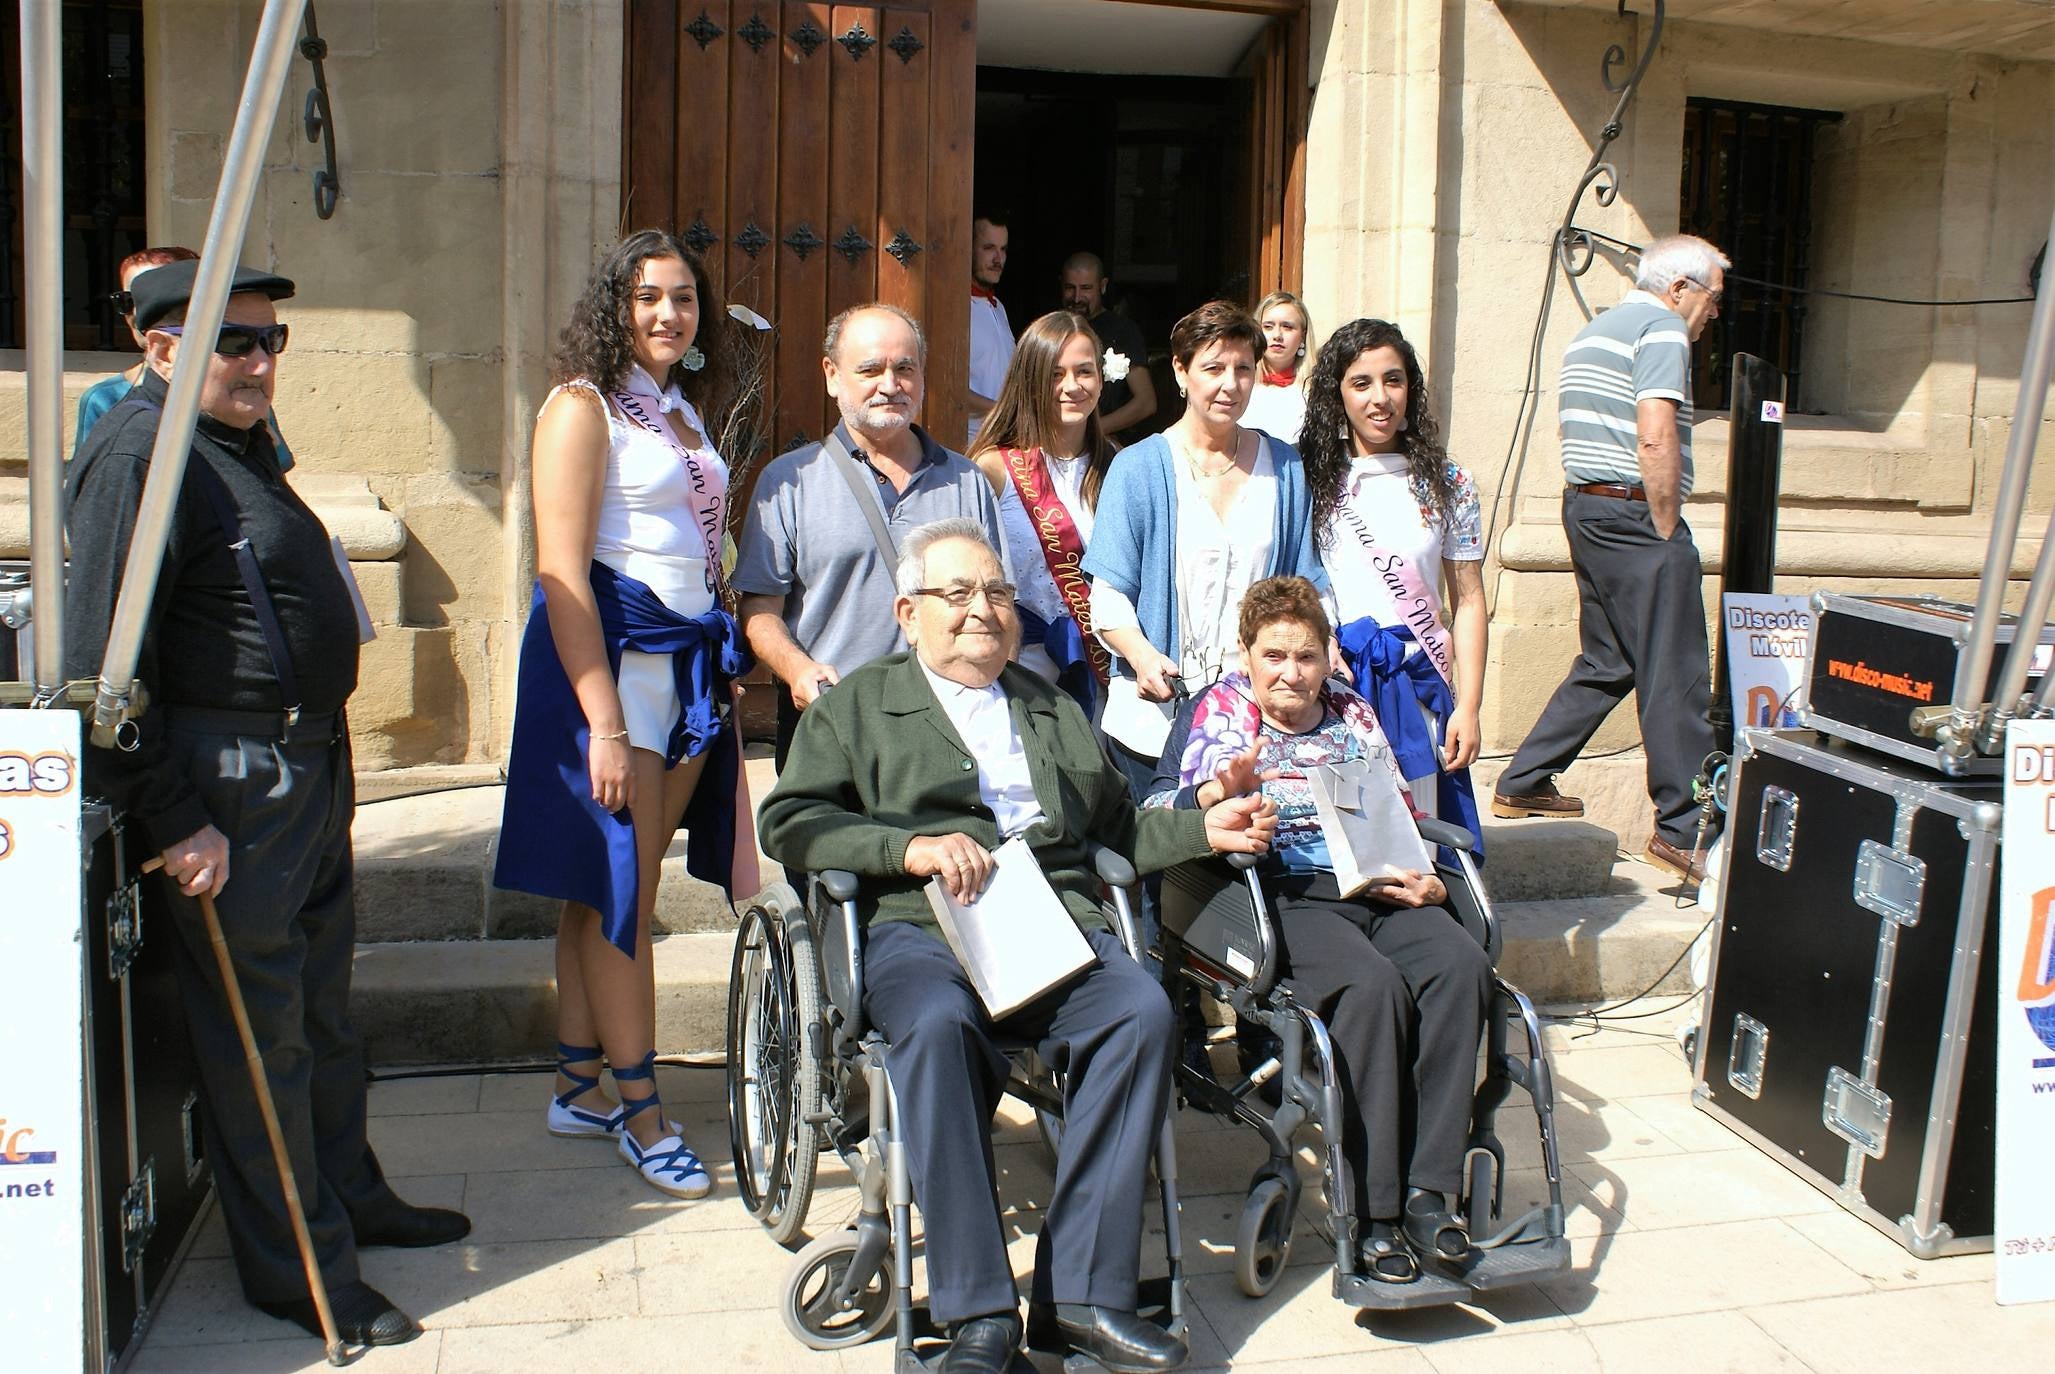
(261, 1085)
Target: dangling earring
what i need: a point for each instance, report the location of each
(693, 359)
(1405, 424)
(1301, 353)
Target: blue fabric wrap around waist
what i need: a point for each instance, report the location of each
(555, 840)
(1397, 683)
(1064, 643)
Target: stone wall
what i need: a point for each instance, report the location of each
(1448, 137)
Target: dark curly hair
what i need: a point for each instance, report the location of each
(1324, 445)
(597, 345)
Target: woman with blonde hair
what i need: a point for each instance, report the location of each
(1044, 452)
(1277, 406)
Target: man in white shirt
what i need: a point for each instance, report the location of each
(917, 766)
(991, 337)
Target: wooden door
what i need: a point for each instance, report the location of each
(818, 156)
(1270, 232)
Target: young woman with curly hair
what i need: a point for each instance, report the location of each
(1396, 517)
(621, 722)
(1045, 455)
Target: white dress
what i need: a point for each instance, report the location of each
(654, 515)
(1026, 567)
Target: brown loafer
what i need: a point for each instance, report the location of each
(1663, 854)
(1547, 802)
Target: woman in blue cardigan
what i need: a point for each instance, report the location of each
(1187, 521)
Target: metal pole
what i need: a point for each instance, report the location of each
(1755, 456)
(2008, 698)
(1973, 669)
(42, 165)
(269, 60)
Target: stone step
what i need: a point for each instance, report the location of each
(472, 1001)
(424, 866)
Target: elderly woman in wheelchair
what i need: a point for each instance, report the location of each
(917, 767)
(1392, 988)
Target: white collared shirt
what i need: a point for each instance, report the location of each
(984, 721)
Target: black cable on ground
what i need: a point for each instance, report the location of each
(668, 1061)
(1603, 1013)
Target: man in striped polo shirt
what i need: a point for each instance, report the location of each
(1624, 408)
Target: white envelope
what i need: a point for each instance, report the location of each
(1368, 827)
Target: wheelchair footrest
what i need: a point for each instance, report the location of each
(1431, 1289)
(1522, 1262)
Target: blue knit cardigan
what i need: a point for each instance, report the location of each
(1134, 533)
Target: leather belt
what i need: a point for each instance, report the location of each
(291, 727)
(1618, 491)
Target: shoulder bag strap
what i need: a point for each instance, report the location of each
(866, 499)
(252, 574)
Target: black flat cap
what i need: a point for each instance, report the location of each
(162, 290)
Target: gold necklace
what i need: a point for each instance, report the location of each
(1192, 465)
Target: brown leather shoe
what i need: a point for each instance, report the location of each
(1546, 802)
(1663, 854)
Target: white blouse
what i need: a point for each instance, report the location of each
(654, 512)
(1382, 497)
(1279, 411)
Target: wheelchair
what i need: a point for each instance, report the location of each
(1217, 934)
(806, 1073)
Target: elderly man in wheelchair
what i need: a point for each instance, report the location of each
(918, 766)
(1391, 987)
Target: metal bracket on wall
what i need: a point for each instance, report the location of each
(320, 120)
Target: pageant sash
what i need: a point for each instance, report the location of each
(710, 491)
(1410, 593)
(1062, 548)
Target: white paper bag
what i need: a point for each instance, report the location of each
(1369, 830)
(1016, 940)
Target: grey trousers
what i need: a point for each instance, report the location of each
(1110, 1031)
(290, 921)
(1641, 625)
(1403, 992)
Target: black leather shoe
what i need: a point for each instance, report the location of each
(1122, 1342)
(363, 1316)
(983, 1345)
(399, 1224)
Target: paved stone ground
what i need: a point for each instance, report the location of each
(1692, 1252)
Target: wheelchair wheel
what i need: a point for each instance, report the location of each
(774, 1063)
(809, 1309)
(1263, 1238)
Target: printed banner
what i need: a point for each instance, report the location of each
(1769, 638)
(42, 1136)
(2024, 1234)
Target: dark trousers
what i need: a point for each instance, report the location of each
(1404, 992)
(290, 921)
(1109, 1031)
(1641, 623)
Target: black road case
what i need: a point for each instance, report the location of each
(148, 1177)
(1850, 1023)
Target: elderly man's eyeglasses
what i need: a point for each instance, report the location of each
(239, 340)
(1714, 296)
(998, 595)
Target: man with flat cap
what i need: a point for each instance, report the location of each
(238, 774)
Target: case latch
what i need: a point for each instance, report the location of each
(190, 1139)
(138, 1216)
(1889, 882)
(124, 929)
(1857, 1112)
(1746, 1055)
(1776, 833)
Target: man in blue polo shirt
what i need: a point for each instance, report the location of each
(815, 566)
(1624, 407)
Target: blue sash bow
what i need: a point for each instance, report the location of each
(555, 840)
(1397, 685)
(1065, 644)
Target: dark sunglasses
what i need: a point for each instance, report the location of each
(239, 340)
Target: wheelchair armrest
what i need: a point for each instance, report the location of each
(1443, 832)
(1113, 868)
(838, 883)
(1242, 863)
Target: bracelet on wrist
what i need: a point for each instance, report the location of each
(618, 734)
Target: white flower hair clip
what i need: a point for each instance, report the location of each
(1113, 367)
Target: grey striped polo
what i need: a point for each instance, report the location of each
(1636, 351)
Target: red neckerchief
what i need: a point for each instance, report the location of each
(1284, 378)
(1062, 549)
(980, 291)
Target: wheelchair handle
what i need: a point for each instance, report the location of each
(1443, 832)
